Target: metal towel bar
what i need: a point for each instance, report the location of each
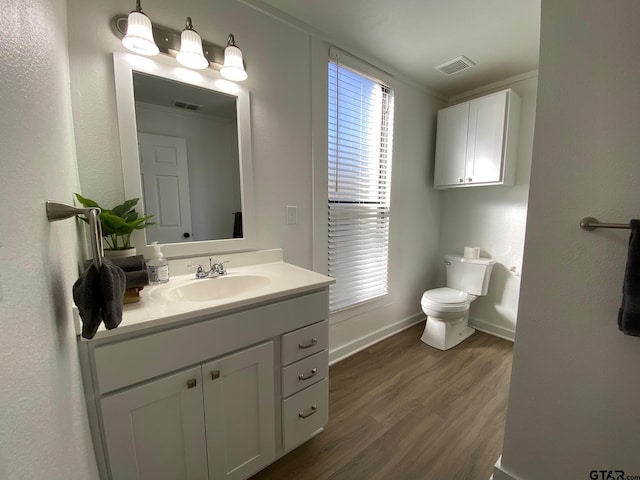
(60, 211)
(590, 223)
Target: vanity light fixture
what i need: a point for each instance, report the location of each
(191, 54)
(139, 36)
(187, 47)
(233, 68)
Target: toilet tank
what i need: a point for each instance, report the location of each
(469, 275)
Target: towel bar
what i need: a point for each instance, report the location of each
(590, 223)
(60, 211)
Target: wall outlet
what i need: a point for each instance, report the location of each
(292, 215)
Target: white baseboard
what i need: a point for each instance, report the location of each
(492, 329)
(500, 473)
(340, 353)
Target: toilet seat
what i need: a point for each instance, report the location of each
(446, 300)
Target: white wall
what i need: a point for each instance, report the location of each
(43, 423)
(280, 64)
(573, 404)
(277, 60)
(493, 218)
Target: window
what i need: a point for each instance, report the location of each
(359, 179)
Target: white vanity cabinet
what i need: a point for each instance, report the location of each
(203, 398)
(212, 421)
(476, 141)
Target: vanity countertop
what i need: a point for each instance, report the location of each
(159, 307)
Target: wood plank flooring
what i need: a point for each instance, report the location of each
(401, 410)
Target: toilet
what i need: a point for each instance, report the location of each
(447, 308)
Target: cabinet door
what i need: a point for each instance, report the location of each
(239, 412)
(451, 145)
(156, 431)
(485, 145)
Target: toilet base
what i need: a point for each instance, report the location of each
(444, 335)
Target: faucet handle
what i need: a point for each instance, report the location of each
(200, 273)
(218, 267)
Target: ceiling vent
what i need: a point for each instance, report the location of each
(185, 105)
(455, 65)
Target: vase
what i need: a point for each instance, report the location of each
(119, 253)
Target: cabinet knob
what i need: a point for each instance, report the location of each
(192, 382)
(215, 374)
(469, 179)
(460, 180)
(308, 413)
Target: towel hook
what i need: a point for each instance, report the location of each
(60, 211)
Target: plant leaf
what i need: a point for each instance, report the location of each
(124, 208)
(86, 202)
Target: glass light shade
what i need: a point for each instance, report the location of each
(139, 37)
(233, 68)
(191, 54)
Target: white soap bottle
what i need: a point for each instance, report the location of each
(158, 266)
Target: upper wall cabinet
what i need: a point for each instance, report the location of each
(476, 142)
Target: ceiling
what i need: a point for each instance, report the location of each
(413, 36)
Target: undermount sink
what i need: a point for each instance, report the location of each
(211, 289)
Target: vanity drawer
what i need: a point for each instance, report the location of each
(304, 342)
(305, 413)
(304, 373)
(138, 359)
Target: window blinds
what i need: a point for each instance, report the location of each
(359, 180)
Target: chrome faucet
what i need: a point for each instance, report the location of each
(215, 269)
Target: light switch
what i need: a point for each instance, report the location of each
(292, 215)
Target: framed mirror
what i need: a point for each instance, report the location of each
(185, 143)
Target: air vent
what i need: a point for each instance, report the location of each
(455, 65)
(185, 105)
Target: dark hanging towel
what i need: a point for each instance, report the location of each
(629, 313)
(237, 225)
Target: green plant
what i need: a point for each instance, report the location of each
(119, 222)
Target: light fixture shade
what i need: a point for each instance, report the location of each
(233, 68)
(139, 37)
(191, 54)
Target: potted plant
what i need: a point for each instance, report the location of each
(118, 223)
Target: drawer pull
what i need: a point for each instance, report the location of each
(310, 344)
(313, 373)
(192, 382)
(308, 413)
(215, 374)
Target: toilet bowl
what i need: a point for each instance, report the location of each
(447, 313)
(447, 308)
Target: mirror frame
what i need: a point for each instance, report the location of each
(167, 67)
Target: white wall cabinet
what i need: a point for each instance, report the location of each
(476, 142)
(206, 400)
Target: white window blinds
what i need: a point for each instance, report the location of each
(360, 144)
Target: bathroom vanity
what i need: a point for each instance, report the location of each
(203, 385)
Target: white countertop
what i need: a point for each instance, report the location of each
(156, 309)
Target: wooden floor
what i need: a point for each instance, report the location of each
(401, 410)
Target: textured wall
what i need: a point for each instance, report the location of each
(43, 425)
(573, 405)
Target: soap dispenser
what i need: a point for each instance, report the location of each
(158, 266)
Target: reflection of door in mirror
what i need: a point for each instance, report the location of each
(165, 187)
(207, 122)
